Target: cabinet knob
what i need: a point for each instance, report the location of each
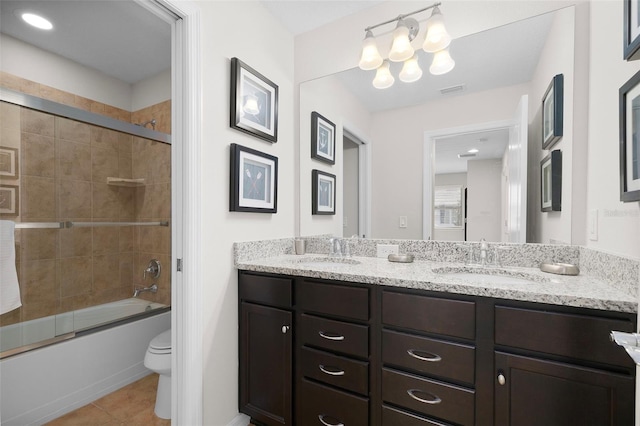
(501, 379)
(285, 328)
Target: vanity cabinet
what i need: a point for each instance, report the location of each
(333, 349)
(558, 368)
(325, 353)
(266, 348)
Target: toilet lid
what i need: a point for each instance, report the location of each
(162, 341)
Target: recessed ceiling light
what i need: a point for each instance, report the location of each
(36, 21)
(473, 151)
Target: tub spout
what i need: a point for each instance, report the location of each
(138, 290)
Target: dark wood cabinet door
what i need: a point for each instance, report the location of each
(537, 392)
(265, 364)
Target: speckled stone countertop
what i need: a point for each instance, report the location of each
(515, 283)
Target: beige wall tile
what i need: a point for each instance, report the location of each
(106, 272)
(74, 199)
(39, 283)
(38, 244)
(76, 276)
(72, 130)
(38, 198)
(105, 241)
(75, 242)
(105, 163)
(37, 122)
(106, 203)
(126, 234)
(105, 139)
(126, 270)
(37, 155)
(74, 160)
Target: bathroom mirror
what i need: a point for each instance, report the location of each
(472, 107)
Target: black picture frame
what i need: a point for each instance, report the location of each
(631, 30)
(323, 193)
(551, 182)
(9, 200)
(629, 97)
(323, 138)
(253, 181)
(254, 102)
(552, 112)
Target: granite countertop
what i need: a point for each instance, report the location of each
(527, 284)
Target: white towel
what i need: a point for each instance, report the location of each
(9, 287)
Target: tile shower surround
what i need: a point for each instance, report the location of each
(63, 169)
(618, 272)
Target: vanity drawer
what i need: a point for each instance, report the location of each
(435, 399)
(336, 300)
(430, 314)
(394, 417)
(338, 336)
(430, 356)
(318, 404)
(335, 370)
(576, 336)
(272, 291)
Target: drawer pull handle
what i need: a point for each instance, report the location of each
(285, 328)
(321, 418)
(431, 358)
(330, 336)
(329, 372)
(435, 399)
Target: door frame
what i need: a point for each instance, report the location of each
(186, 208)
(364, 178)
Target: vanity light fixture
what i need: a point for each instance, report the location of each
(436, 41)
(36, 21)
(473, 151)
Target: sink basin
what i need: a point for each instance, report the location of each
(488, 276)
(324, 261)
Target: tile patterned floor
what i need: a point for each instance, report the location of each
(131, 405)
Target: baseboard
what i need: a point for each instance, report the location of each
(240, 420)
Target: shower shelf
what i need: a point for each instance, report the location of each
(62, 225)
(114, 181)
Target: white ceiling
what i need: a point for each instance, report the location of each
(119, 38)
(490, 145)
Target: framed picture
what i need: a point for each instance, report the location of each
(8, 162)
(254, 181)
(254, 102)
(630, 140)
(551, 182)
(323, 139)
(631, 48)
(9, 200)
(323, 193)
(552, 105)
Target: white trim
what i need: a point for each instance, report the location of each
(428, 175)
(240, 420)
(186, 318)
(364, 177)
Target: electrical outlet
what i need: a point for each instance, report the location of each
(384, 250)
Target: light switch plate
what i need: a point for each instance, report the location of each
(402, 222)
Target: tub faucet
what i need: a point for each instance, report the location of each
(138, 290)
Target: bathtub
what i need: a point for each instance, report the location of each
(29, 333)
(102, 350)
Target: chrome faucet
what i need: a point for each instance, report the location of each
(339, 247)
(153, 269)
(483, 251)
(138, 290)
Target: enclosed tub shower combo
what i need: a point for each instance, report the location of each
(88, 198)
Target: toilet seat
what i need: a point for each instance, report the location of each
(161, 344)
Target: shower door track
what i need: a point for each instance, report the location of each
(62, 225)
(50, 107)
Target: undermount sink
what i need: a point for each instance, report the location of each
(489, 275)
(325, 261)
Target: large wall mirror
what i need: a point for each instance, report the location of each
(474, 129)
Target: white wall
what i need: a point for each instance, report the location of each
(557, 57)
(484, 202)
(441, 234)
(397, 151)
(618, 223)
(32, 63)
(328, 97)
(268, 48)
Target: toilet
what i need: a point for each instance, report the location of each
(158, 360)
